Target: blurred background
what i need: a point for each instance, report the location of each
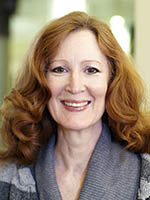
(21, 20)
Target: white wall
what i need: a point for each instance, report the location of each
(142, 39)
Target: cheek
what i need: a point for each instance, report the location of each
(52, 103)
(53, 96)
(99, 90)
(53, 107)
(54, 88)
(55, 84)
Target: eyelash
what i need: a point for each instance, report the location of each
(88, 70)
(92, 70)
(55, 70)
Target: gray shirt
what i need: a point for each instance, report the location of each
(109, 176)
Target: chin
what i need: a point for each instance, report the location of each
(75, 126)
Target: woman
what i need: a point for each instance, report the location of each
(72, 125)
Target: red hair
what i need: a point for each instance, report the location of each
(26, 123)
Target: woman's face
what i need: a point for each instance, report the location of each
(78, 80)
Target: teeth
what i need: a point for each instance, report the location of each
(76, 104)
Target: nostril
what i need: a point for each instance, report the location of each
(75, 87)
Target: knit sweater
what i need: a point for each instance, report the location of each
(108, 176)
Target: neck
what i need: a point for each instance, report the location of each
(74, 148)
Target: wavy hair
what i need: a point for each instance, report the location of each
(26, 124)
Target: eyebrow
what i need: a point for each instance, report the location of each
(96, 61)
(84, 61)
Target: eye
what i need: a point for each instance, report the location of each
(59, 70)
(92, 70)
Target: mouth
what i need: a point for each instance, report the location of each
(73, 105)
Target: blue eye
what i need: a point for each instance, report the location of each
(92, 70)
(59, 70)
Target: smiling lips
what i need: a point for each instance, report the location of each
(75, 106)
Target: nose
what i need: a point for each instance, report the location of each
(75, 84)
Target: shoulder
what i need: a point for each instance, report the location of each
(16, 178)
(125, 154)
(118, 153)
(7, 171)
(144, 188)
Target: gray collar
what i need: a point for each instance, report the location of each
(108, 176)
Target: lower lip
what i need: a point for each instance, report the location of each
(75, 109)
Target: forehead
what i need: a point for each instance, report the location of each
(79, 38)
(80, 43)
